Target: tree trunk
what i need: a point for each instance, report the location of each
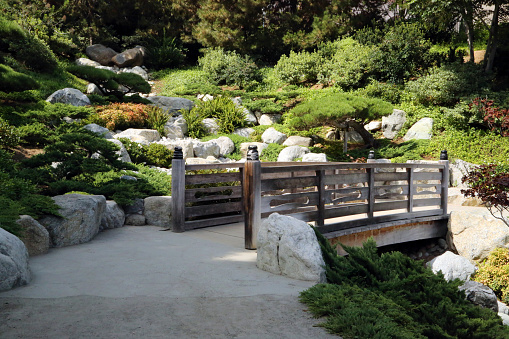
(491, 47)
(469, 29)
(367, 137)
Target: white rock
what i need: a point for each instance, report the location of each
(93, 89)
(269, 119)
(457, 170)
(295, 140)
(289, 247)
(205, 149)
(136, 70)
(70, 96)
(420, 130)
(393, 123)
(180, 122)
(99, 130)
(244, 132)
(474, 234)
(202, 161)
(87, 62)
(205, 97)
(35, 236)
(452, 266)
(250, 117)
(142, 136)
(122, 153)
(271, 136)
(80, 222)
(455, 197)
(210, 125)
(158, 210)
(226, 145)
(505, 318)
(314, 157)
(502, 308)
(173, 131)
(291, 153)
(14, 269)
(186, 144)
(114, 216)
(373, 126)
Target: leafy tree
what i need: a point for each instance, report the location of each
(337, 110)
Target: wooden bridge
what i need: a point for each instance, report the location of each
(347, 202)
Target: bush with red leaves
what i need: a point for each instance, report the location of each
(496, 118)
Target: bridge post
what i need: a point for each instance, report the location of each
(178, 187)
(444, 159)
(252, 197)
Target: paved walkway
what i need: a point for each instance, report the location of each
(139, 282)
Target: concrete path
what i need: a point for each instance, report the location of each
(139, 282)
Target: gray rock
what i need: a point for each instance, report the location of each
(480, 295)
(180, 122)
(502, 308)
(14, 269)
(457, 170)
(289, 247)
(122, 153)
(244, 132)
(210, 125)
(250, 117)
(158, 211)
(475, 233)
(452, 266)
(295, 140)
(245, 145)
(171, 105)
(373, 126)
(206, 149)
(314, 157)
(354, 137)
(35, 236)
(393, 123)
(128, 177)
(226, 145)
(128, 58)
(271, 136)
(93, 89)
(269, 119)
(80, 222)
(136, 207)
(202, 161)
(69, 96)
(101, 54)
(99, 130)
(87, 62)
(455, 197)
(422, 129)
(186, 144)
(173, 132)
(136, 70)
(114, 216)
(291, 153)
(142, 136)
(135, 220)
(505, 318)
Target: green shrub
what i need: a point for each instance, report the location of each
(191, 81)
(271, 152)
(298, 67)
(152, 154)
(157, 119)
(346, 63)
(448, 84)
(383, 90)
(494, 273)
(195, 127)
(34, 54)
(11, 81)
(228, 68)
(121, 116)
(390, 295)
(35, 134)
(237, 141)
(9, 136)
(264, 106)
(164, 52)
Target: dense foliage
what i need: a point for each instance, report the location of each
(389, 295)
(494, 273)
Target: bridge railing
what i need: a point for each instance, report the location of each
(335, 196)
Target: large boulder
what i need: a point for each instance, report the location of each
(420, 130)
(80, 221)
(480, 295)
(291, 153)
(250, 117)
(314, 157)
(289, 247)
(135, 220)
(475, 233)
(140, 135)
(457, 170)
(245, 146)
(158, 211)
(101, 54)
(269, 119)
(226, 145)
(14, 270)
(393, 123)
(272, 136)
(210, 125)
(129, 58)
(172, 131)
(206, 149)
(69, 96)
(452, 266)
(295, 140)
(171, 105)
(455, 197)
(136, 70)
(122, 153)
(99, 130)
(186, 144)
(244, 132)
(35, 236)
(114, 216)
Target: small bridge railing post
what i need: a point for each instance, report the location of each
(444, 194)
(321, 198)
(371, 185)
(411, 186)
(178, 187)
(252, 197)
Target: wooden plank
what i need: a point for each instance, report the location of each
(427, 202)
(427, 176)
(215, 178)
(341, 211)
(345, 179)
(411, 190)
(274, 184)
(203, 210)
(391, 205)
(206, 194)
(194, 224)
(388, 176)
(371, 194)
(445, 185)
(214, 166)
(276, 200)
(321, 197)
(271, 167)
(178, 187)
(342, 225)
(345, 198)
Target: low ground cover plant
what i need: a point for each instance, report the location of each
(494, 273)
(389, 295)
